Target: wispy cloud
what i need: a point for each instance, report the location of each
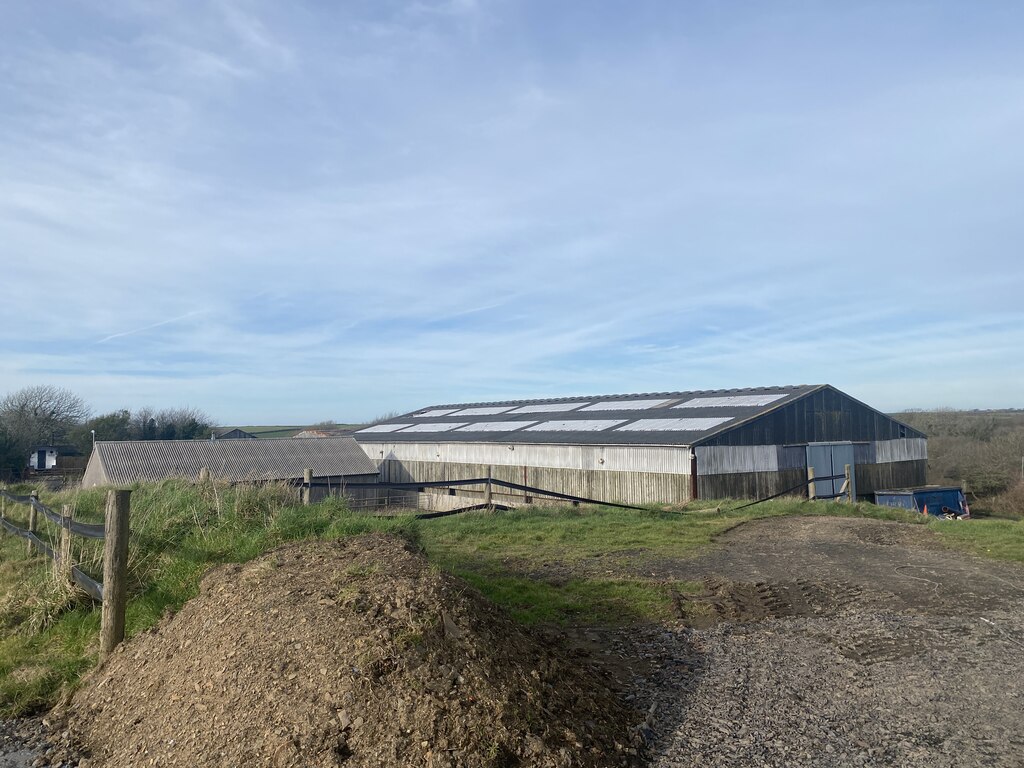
(382, 205)
(149, 327)
(251, 30)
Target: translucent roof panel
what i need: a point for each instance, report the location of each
(495, 426)
(725, 401)
(548, 408)
(489, 410)
(577, 425)
(623, 418)
(384, 428)
(674, 425)
(624, 405)
(436, 426)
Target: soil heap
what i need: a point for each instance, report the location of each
(350, 653)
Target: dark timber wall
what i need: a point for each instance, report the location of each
(824, 416)
(752, 485)
(821, 417)
(896, 474)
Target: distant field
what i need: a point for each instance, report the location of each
(270, 431)
(283, 431)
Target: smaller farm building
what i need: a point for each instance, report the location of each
(333, 460)
(655, 447)
(58, 457)
(233, 434)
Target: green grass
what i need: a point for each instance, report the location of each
(519, 559)
(578, 601)
(48, 636)
(998, 539)
(545, 565)
(537, 537)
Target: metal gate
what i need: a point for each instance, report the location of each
(830, 460)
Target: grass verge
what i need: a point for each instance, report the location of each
(48, 634)
(994, 538)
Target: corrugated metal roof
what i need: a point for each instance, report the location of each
(685, 418)
(127, 461)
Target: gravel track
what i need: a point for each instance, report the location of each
(838, 642)
(30, 742)
(864, 689)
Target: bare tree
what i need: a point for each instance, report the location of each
(325, 424)
(170, 424)
(41, 414)
(384, 417)
(143, 424)
(183, 424)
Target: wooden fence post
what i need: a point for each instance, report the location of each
(487, 487)
(115, 570)
(812, 493)
(63, 563)
(848, 484)
(307, 486)
(33, 521)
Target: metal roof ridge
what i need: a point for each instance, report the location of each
(582, 398)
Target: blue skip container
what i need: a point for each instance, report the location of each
(935, 500)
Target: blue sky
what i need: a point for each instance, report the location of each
(288, 212)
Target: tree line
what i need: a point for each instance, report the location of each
(981, 450)
(43, 415)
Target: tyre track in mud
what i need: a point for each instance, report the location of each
(839, 642)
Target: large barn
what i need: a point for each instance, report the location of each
(654, 447)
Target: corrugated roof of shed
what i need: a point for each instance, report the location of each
(650, 418)
(236, 460)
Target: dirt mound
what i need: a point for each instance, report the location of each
(352, 653)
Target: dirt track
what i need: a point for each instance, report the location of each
(862, 562)
(835, 642)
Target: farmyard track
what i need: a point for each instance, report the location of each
(837, 642)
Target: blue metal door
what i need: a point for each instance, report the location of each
(830, 460)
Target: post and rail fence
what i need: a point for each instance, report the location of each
(845, 492)
(489, 483)
(112, 591)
